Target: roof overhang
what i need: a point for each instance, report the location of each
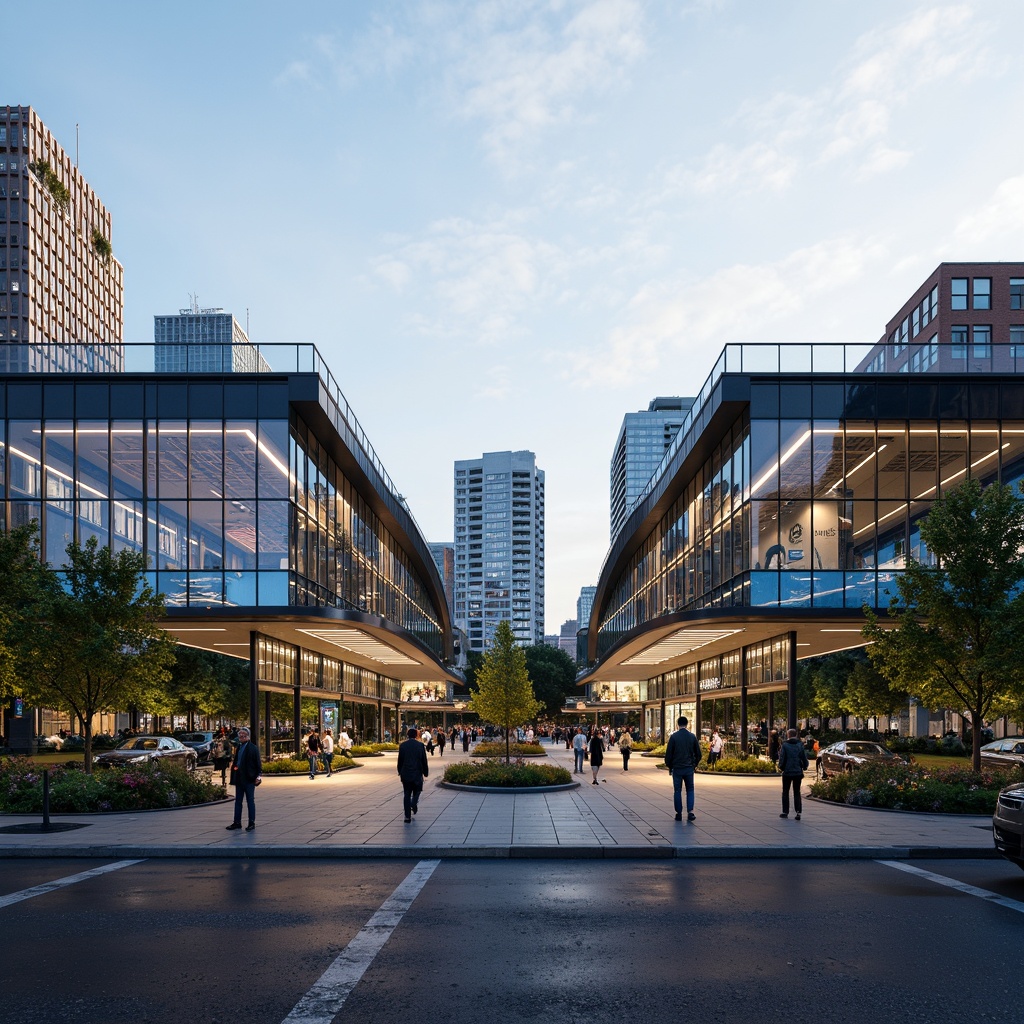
(675, 641)
(368, 641)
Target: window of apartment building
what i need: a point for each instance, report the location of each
(958, 342)
(982, 341)
(958, 290)
(982, 293)
(1017, 342)
(916, 326)
(1017, 293)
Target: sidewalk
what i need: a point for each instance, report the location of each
(358, 813)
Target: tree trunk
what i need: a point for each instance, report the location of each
(508, 754)
(976, 727)
(87, 736)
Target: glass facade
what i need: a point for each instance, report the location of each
(239, 506)
(812, 496)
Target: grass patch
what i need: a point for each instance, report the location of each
(505, 774)
(515, 750)
(141, 787)
(949, 790)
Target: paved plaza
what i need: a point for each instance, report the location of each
(629, 815)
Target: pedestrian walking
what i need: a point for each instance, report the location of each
(344, 742)
(312, 751)
(465, 741)
(792, 763)
(327, 752)
(773, 746)
(579, 746)
(220, 752)
(715, 751)
(412, 770)
(596, 753)
(442, 739)
(246, 775)
(681, 759)
(625, 749)
(428, 741)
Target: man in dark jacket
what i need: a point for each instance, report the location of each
(681, 758)
(792, 763)
(246, 775)
(412, 770)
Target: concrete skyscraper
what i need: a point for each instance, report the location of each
(499, 547)
(643, 439)
(198, 340)
(61, 289)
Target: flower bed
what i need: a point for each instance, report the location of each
(497, 749)
(300, 765)
(913, 788)
(141, 787)
(501, 774)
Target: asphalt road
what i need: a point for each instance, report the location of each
(206, 942)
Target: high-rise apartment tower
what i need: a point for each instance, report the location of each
(61, 289)
(643, 439)
(198, 340)
(499, 547)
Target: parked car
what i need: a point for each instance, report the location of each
(141, 749)
(1005, 753)
(846, 755)
(200, 742)
(1008, 823)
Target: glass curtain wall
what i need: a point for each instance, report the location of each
(242, 512)
(805, 512)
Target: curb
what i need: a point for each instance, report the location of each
(501, 853)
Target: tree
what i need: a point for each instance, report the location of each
(868, 693)
(194, 687)
(101, 648)
(958, 621)
(504, 695)
(553, 675)
(26, 583)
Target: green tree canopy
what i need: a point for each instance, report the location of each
(553, 675)
(101, 648)
(868, 693)
(958, 621)
(504, 695)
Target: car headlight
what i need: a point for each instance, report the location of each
(137, 759)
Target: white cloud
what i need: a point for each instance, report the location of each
(1000, 219)
(688, 318)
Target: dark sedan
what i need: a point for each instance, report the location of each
(144, 749)
(1005, 753)
(1008, 823)
(847, 755)
(200, 742)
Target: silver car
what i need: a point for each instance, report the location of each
(1008, 823)
(143, 749)
(1004, 753)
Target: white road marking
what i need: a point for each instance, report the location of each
(42, 890)
(952, 883)
(327, 996)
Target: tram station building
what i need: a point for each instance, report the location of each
(792, 497)
(266, 518)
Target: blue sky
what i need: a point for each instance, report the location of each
(507, 223)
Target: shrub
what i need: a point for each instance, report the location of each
(658, 751)
(497, 749)
(953, 790)
(502, 774)
(738, 766)
(135, 788)
(300, 765)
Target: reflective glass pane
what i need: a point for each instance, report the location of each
(985, 442)
(128, 528)
(764, 440)
(273, 535)
(126, 459)
(58, 531)
(240, 453)
(239, 535)
(206, 536)
(764, 588)
(953, 454)
(273, 459)
(174, 587)
(206, 459)
(273, 589)
(861, 454)
(827, 590)
(795, 589)
(828, 458)
(94, 521)
(860, 589)
(93, 452)
(922, 456)
(795, 455)
(240, 589)
(168, 525)
(59, 473)
(205, 588)
(172, 459)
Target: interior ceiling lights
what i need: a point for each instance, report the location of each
(681, 642)
(362, 644)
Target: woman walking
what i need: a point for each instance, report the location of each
(596, 752)
(312, 751)
(625, 748)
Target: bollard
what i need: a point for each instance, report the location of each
(46, 800)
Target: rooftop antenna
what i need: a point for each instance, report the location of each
(247, 321)
(76, 144)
